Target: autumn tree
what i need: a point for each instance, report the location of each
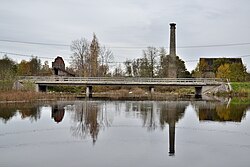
(45, 70)
(201, 69)
(23, 68)
(31, 67)
(35, 66)
(237, 72)
(8, 71)
(8, 68)
(223, 71)
(196, 73)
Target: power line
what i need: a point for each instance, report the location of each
(110, 62)
(126, 47)
(33, 43)
(27, 55)
(217, 45)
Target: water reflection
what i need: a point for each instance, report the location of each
(86, 118)
(91, 117)
(57, 112)
(170, 114)
(162, 113)
(27, 110)
(214, 111)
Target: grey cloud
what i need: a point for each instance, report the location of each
(127, 23)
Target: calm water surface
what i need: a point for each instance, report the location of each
(125, 133)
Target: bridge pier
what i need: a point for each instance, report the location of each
(198, 92)
(151, 89)
(41, 88)
(89, 91)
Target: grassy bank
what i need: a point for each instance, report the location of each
(240, 88)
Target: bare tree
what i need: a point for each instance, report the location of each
(150, 56)
(106, 56)
(90, 59)
(80, 57)
(128, 68)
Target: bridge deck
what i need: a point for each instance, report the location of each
(53, 80)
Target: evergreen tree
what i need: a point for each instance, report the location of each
(94, 53)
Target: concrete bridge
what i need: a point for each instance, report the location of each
(201, 84)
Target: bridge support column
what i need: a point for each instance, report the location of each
(198, 92)
(37, 88)
(151, 89)
(89, 91)
(41, 88)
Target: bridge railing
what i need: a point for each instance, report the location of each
(118, 79)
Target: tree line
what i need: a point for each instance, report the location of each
(91, 59)
(154, 63)
(9, 69)
(222, 68)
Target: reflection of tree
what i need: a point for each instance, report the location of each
(148, 115)
(27, 110)
(221, 112)
(105, 121)
(32, 112)
(86, 115)
(147, 112)
(7, 112)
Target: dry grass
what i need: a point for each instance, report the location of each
(20, 96)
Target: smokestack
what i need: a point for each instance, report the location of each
(172, 69)
(172, 39)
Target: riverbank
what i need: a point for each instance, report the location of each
(240, 89)
(30, 96)
(122, 94)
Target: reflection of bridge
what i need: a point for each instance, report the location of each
(199, 83)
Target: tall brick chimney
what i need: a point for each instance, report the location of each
(172, 69)
(172, 39)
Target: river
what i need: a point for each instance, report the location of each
(125, 133)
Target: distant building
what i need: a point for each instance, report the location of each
(58, 67)
(207, 65)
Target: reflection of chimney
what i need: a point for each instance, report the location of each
(171, 138)
(172, 39)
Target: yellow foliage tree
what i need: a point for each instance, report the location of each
(223, 71)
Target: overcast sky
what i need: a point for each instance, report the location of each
(126, 23)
